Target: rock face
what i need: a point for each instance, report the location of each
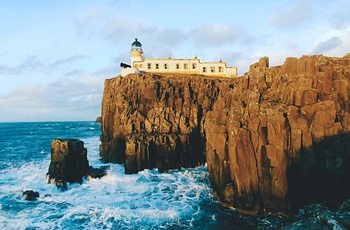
(273, 140)
(155, 122)
(68, 161)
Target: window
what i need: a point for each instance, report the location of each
(204, 69)
(136, 65)
(165, 65)
(194, 66)
(220, 69)
(185, 66)
(141, 65)
(177, 66)
(212, 69)
(157, 66)
(148, 65)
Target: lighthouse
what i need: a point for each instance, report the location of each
(136, 53)
(140, 64)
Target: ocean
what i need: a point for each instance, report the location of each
(178, 199)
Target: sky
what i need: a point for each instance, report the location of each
(55, 55)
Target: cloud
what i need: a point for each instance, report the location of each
(118, 27)
(160, 39)
(216, 35)
(171, 37)
(66, 60)
(327, 45)
(293, 14)
(30, 63)
(116, 30)
(64, 99)
(74, 72)
(33, 63)
(121, 31)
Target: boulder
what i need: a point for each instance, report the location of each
(30, 195)
(98, 119)
(97, 172)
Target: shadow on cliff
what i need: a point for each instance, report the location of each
(186, 154)
(115, 152)
(321, 173)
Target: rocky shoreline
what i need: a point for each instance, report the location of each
(273, 140)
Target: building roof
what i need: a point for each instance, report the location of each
(136, 43)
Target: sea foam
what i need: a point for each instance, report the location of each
(178, 199)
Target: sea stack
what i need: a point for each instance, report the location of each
(68, 161)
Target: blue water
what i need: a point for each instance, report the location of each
(179, 199)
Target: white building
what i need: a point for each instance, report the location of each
(179, 66)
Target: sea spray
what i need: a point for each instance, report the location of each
(177, 199)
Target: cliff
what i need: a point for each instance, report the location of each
(273, 140)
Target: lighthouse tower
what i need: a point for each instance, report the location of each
(136, 53)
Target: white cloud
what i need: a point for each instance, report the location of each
(64, 99)
(292, 14)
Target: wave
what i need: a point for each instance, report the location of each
(178, 199)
